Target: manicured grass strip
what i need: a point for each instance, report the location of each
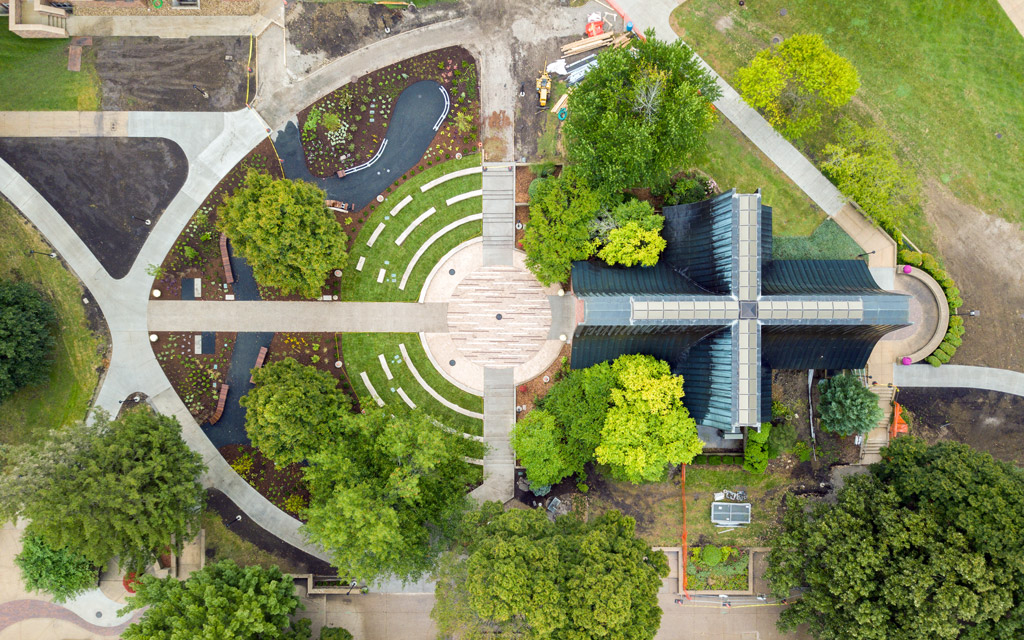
(360, 351)
(828, 242)
(385, 254)
(67, 394)
(34, 75)
(434, 239)
(944, 78)
(734, 162)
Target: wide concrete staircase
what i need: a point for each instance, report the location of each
(881, 381)
(499, 209)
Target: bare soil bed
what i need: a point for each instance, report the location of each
(982, 253)
(196, 252)
(333, 29)
(98, 184)
(158, 74)
(986, 420)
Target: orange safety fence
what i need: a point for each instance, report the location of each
(899, 425)
(685, 550)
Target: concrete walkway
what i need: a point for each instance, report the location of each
(354, 317)
(956, 376)
(499, 200)
(1015, 10)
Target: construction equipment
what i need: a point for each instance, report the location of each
(543, 87)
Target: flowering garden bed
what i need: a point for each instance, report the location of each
(712, 568)
(345, 128)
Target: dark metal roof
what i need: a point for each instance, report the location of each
(817, 277)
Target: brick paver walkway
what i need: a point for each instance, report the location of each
(21, 610)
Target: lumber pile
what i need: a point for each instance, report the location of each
(589, 44)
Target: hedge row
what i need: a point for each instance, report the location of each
(954, 335)
(738, 460)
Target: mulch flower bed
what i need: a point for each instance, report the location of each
(345, 128)
(717, 569)
(193, 376)
(196, 252)
(283, 486)
(529, 392)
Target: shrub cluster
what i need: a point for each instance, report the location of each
(755, 453)
(954, 335)
(718, 460)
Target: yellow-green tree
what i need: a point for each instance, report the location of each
(796, 83)
(284, 231)
(647, 427)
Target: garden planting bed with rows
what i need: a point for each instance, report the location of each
(193, 376)
(285, 487)
(345, 128)
(196, 252)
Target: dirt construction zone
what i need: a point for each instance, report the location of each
(154, 74)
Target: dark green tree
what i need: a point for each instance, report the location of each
(285, 232)
(384, 496)
(26, 336)
(220, 601)
(523, 576)
(561, 213)
(929, 545)
(59, 572)
(642, 112)
(847, 407)
(293, 411)
(126, 488)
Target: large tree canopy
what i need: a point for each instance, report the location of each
(384, 495)
(640, 114)
(527, 577)
(848, 407)
(219, 601)
(561, 211)
(293, 411)
(797, 82)
(929, 545)
(285, 232)
(127, 488)
(26, 336)
(627, 414)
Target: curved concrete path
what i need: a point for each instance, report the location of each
(958, 376)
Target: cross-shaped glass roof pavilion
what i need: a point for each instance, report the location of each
(723, 313)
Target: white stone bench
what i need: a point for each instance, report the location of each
(431, 240)
(405, 397)
(451, 176)
(415, 223)
(384, 366)
(369, 386)
(398, 207)
(376, 234)
(437, 396)
(464, 196)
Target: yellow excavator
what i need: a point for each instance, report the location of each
(544, 86)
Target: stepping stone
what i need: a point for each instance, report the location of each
(384, 366)
(398, 207)
(369, 387)
(380, 276)
(362, 261)
(415, 223)
(376, 234)
(406, 398)
(74, 58)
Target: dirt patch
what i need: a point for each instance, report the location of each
(657, 508)
(104, 188)
(724, 23)
(157, 74)
(330, 30)
(293, 560)
(283, 486)
(524, 176)
(195, 377)
(986, 420)
(196, 252)
(982, 253)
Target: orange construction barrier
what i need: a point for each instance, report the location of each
(899, 425)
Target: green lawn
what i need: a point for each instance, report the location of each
(66, 396)
(34, 75)
(360, 351)
(828, 242)
(385, 254)
(765, 493)
(734, 162)
(225, 544)
(944, 78)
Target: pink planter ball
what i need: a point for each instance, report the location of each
(906, 361)
(906, 268)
